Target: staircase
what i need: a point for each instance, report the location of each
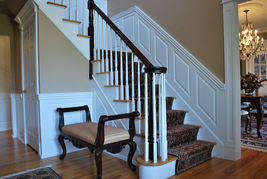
(182, 138)
(120, 72)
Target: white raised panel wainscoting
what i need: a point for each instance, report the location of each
(196, 88)
(17, 115)
(49, 120)
(5, 111)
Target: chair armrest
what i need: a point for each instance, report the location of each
(101, 124)
(72, 109)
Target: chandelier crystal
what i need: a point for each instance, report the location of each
(250, 45)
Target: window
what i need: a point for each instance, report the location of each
(260, 67)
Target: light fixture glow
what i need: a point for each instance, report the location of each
(249, 44)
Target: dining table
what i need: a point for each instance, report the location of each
(258, 102)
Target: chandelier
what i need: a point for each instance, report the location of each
(250, 45)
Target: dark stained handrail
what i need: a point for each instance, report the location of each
(91, 6)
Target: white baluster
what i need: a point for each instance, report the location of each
(138, 88)
(111, 60)
(155, 151)
(76, 10)
(102, 45)
(107, 65)
(98, 39)
(126, 76)
(116, 62)
(62, 2)
(133, 101)
(160, 115)
(98, 42)
(121, 72)
(70, 9)
(95, 32)
(84, 13)
(164, 122)
(146, 120)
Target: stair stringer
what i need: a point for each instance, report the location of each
(104, 105)
(69, 29)
(196, 88)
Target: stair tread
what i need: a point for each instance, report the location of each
(112, 86)
(106, 72)
(95, 61)
(142, 161)
(68, 20)
(191, 154)
(118, 100)
(81, 35)
(56, 4)
(181, 127)
(191, 148)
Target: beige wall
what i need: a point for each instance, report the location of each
(7, 29)
(63, 69)
(264, 35)
(196, 25)
(5, 69)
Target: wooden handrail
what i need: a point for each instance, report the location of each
(92, 5)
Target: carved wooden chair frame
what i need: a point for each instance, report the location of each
(99, 146)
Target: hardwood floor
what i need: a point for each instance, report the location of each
(16, 157)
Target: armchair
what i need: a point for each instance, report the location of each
(98, 136)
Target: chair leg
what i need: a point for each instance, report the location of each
(132, 145)
(248, 123)
(62, 143)
(98, 161)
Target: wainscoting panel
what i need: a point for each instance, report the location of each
(161, 51)
(206, 99)
(196, 88)
(182, 76)
(127, 23)
(5, 112)
(49, 120)
(144, 35)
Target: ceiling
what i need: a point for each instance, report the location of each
(258, 17)
(11, 7)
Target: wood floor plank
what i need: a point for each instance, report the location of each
(16, 157)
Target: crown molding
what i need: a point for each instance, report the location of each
(262, 30)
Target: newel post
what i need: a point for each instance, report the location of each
(152, 71)
(91, 34)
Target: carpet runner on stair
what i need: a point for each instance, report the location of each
(182, 138)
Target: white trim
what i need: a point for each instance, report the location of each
(232, 80)
(13, 115)
(173, 42)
